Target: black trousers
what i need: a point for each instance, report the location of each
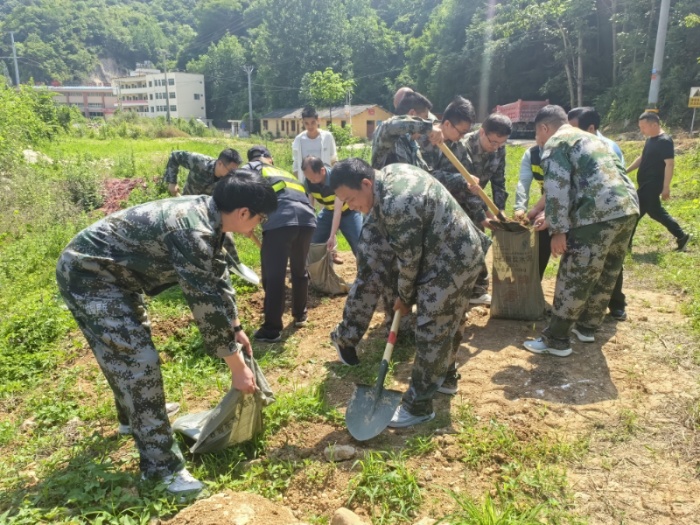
(618, 301)
(650, 204)
(290, 243)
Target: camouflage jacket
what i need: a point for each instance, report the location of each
(487, 167)
(392, 142)
(200, 179)
(454, 181)
(434, 241)
(584, 181)
(153, 246)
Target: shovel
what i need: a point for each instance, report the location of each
(503, 223)
(371, 408)
(242, 271)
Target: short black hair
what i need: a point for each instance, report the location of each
(459, 110)
(309, 112)
(245, 189)
(230, 155)
(258, 151)
(351, 172)
(575, 113)
(312, 162)
(650, 116)
(589, 117)
(499, 124)
(552, 115)
(413, 101)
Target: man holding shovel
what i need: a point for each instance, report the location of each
(591, 209)
(439, 253)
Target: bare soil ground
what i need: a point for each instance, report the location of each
(627, 395)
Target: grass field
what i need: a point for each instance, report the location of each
(60, 461)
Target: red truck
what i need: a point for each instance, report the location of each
(522, 114)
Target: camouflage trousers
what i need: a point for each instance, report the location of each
(377, 279)
(116, 326)
(442, 304)
(587, 275)
(456, 184)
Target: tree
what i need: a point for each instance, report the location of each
(225, 81)
(327, 87)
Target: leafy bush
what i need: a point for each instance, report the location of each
(343, 136)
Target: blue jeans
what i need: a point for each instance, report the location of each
(350, 225)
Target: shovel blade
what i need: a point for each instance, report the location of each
(370, 410)
(245, 273)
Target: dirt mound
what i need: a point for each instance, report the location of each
(116, 192)
(236, 508)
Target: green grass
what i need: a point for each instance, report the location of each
(58, 428)
(387, 486)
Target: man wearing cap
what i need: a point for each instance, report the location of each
(286, 238)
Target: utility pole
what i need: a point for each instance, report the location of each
(167, 92)
(659, 55)
(249, 70)
(14, 56)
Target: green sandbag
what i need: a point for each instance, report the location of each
(236, 419)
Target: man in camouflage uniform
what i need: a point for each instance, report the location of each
(393, 142)
(395, 139)
(483, 153)
(204, 173)
(106, 268)
(439, 254)
(591, 209)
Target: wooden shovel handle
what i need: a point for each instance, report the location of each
(255, 239)
(471, 179)
(391, 340)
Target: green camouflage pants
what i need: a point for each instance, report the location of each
(587, 274)
(116, 326)
(377, 278)
(442, 303)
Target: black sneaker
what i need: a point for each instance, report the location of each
(267, 336)
(618, 315)
(346, 354)
(303, 321)
(450, 385)
(683, 242)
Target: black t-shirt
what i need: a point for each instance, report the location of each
(656, 151)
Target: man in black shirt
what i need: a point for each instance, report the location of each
(654, 176)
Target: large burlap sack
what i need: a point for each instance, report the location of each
(323, 277)
(237, 417)
(517, 291)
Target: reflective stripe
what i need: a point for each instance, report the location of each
(538, 170)
(289, 181)
(328, 202)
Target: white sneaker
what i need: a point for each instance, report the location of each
(538, 346)
(484, 299)
(403, 418)
(170, 408)
(182, 482)
(584, 336)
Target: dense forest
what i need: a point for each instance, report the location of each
(571, 52)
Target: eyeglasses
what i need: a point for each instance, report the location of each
(461, 132)
(497, 143)
(263, 218)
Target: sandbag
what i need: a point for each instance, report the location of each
(321, 274)
(516, 287)
(237, 417)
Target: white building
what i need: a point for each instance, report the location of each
(152, 93)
